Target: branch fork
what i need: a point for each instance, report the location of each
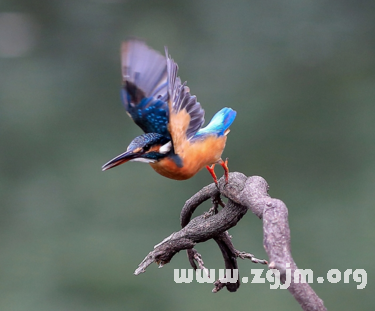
(243, 193)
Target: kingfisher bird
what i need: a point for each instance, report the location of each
(174, 144)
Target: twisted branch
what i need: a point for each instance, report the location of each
(243, 194)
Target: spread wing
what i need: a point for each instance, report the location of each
(144, 91)
(186, 115)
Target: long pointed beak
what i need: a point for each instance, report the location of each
(120, 159)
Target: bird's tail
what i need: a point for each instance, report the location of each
(219, 124)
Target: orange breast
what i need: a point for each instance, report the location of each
(194, 156)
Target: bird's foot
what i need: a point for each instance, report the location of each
(211, 169)
(224, 165)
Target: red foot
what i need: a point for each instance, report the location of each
(211, 169)
(224, 164)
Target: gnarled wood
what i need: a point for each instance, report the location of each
(243, 194)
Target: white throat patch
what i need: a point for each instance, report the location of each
(166, 148)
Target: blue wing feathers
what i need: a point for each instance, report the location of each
(150, 81)
(144, 92)
(220, 122)
(150, 115)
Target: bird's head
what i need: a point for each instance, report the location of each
(148, 148)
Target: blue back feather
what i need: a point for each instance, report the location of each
(220, 122)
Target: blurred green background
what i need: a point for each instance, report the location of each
(300, 74)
